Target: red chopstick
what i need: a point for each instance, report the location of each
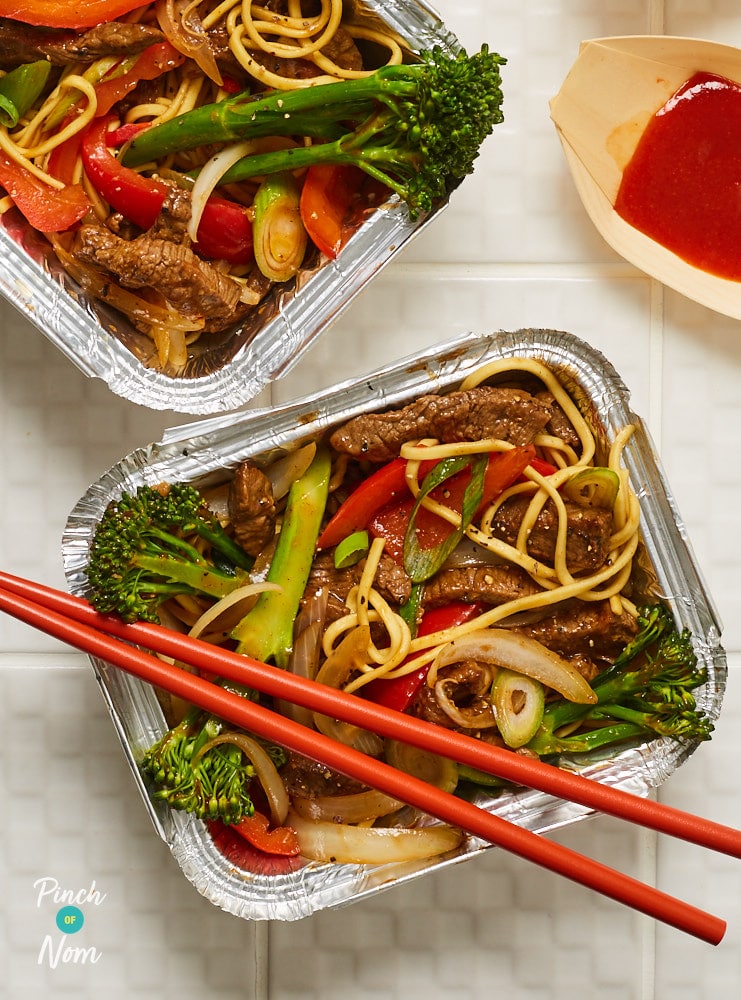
(387, 722)
(42, 612)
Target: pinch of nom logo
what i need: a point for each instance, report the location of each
(69, 919)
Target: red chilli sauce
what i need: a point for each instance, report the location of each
(682, 186)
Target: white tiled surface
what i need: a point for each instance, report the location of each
(512, 250)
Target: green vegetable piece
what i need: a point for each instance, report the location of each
(593, 488)
(19, 90)
(278, 233)
(140, 554)
(423, 764)
(421, 563)
(518, 702)
(216, 786)
(416, 128)
(351, 549)
(266, 632)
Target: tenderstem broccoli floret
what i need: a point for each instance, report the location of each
(144, 552)
(646, 693)
(211, 784)
(417, 128)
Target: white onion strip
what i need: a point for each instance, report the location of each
(209, 177)
(520, 653)
(346, 844)
(357, 807)
(225, 603)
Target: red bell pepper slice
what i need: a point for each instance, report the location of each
(390, 522)
(47, 209)
(152, 63)
(241, 853)
(400, 692)
(387, 483)
(541, 466)
(280, 840)
(63, 14)
(328, 195)
(225, 231)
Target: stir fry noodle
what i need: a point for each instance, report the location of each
(468, 557)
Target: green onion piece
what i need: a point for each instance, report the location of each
(519, 702)
(351, 549)
(19, 90)
(278, 233)
(420, 563)
(411, 609)
(593, 488)
(476, 777)
(423, 764)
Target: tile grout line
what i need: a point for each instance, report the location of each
(522, 270)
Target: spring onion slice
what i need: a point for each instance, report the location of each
(421, 563)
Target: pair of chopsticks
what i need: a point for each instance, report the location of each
(75, 622)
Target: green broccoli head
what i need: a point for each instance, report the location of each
(143, 552)
(210, 783)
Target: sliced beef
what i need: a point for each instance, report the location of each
(252, 508)
(308, 779)
(193, 287)
(589, 629)
(588, 537)
(559, 425)
(468, 415)
(391, 581)
(490, 584)
(117, 38)
(22, 43)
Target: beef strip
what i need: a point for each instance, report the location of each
(391, 581)
(252, 508)
(587, 541)
(490, 584)
(584, 629)
(559, 425)
(308, 779)
(21, 43)
(192, 286)
(468, 415)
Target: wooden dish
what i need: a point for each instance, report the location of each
(614, 87)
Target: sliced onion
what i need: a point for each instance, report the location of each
(466, 718)
(307, 645)
(265, 771)
(285, 471)
(520, 653)
(349, 656)
(238, 599)
(359, 807)
(182, 27)
(346, 844)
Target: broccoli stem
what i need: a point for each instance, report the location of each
(266, 631)
(247, 117)
(646, 692)
(417, 128)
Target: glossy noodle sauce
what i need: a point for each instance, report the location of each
(682, 186)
